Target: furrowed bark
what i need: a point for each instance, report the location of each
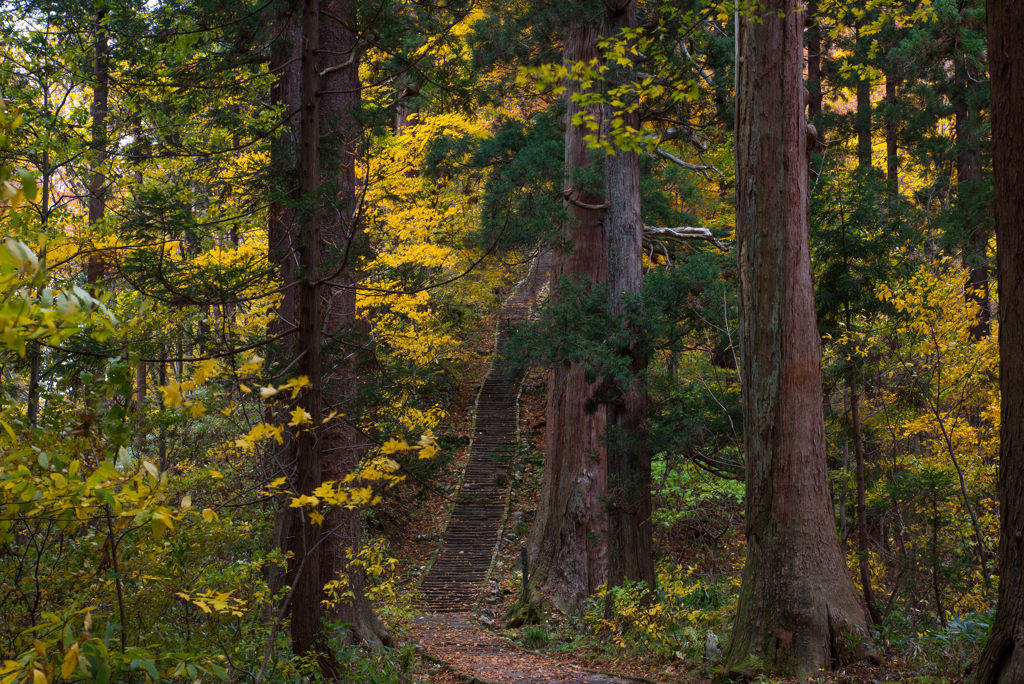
(797, 602)
(284, 61)
(344, 445)
(1002, 660)
(307, 612)
(568, 541)
(629, 508)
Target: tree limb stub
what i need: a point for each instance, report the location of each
(583, 205)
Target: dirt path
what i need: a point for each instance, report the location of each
(462, 645)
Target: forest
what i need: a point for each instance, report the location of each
(407, 341)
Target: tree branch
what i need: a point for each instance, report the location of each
(682, 234)
(679, 162)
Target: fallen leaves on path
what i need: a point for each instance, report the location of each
(473, 651)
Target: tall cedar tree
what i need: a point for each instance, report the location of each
(285, 63)
(341, 446)
(344, 445)
(1002, 660)
(568, 542)
(797, 603)
(629, 511)
(307, 587)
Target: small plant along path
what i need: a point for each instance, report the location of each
(446, 630)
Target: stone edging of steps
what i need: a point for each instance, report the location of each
(511, 481)
(508, 504)
(469, 452)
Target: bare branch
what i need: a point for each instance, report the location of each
(679, 162)
(682, 234)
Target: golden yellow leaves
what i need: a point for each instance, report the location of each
(251, 367)
(427, 446)
(174, 391)
(211, 602)
(412, 218)
(259, 432)
(394, 445)
(70, 663)
(359, 488)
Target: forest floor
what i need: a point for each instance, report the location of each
(476, 646)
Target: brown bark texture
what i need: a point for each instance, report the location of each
(1002, 660)
(344, 445)
(797, 602)
(284, 61)
(307, 588)
(568, 542)
(629, 509)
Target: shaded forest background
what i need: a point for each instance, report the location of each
(220, 348)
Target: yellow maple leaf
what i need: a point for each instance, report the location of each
(295, 385)
(172, 394)
(393, 445)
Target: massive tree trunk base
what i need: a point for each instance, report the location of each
(808, 623)
(567, 546)
(1002, 661)
(798, 609)
(360, 625)
(525, 611)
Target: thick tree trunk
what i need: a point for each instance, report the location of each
(307, 587)
(284, 61)
(630, 554)
(1002, 660)
(568, 542)
(797, 601)
(968, 176)
(344, 445)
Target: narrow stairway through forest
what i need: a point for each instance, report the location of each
(455, 581)
(458, 573)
